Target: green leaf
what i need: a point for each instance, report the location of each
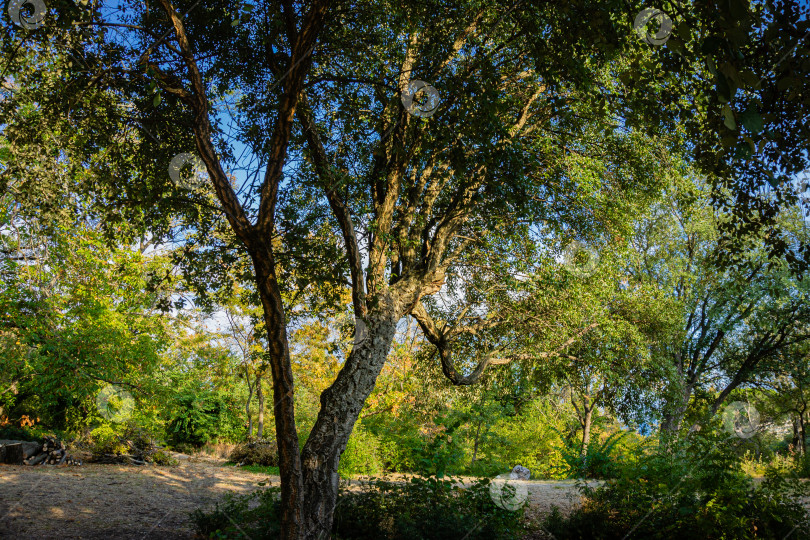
(751, 120)
(711, 44)
(785, 83)
(728, 114)
(156, 100)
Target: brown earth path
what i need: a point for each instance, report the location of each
(147, 502)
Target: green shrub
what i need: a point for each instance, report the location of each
(32, 433)
(362, 454)
(422, 509)
(264, 452)
(105, 439)
(695, 490)
(600, 459)
(203, 416)
(161, 457)
(254, 515)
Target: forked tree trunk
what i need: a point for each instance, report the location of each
(674, 416)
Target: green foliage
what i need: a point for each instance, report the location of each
(424, 508)
(600, 460)
(693, 490)
(29, 433)
(161, 457)
(362, 454)
(255, 514)
(258, 469)
(202, 416)
(106, 439)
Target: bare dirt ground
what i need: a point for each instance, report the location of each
(147, 502)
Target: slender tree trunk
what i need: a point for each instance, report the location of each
(260, 404)
(794, 442)
(292, 484)
(586, 430)
(803, 441)
(247, 406)
(475, 446)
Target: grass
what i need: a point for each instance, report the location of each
(258, 469)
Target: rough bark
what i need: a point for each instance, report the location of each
(292, 487)
(340, 407)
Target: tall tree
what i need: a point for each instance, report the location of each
(541, 118)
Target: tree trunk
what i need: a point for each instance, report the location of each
(260, 404)
(803, 441)
(247, 404)
(794, 442)
(340, 407)
(586, 430)
(475, 446)
(292, 485)
(671, 423)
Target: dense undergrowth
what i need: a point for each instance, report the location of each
(423, 508)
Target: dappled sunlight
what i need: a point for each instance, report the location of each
(124, 501)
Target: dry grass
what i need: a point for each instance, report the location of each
(217, 450)
(95, 502)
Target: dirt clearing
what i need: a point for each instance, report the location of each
(147, 502)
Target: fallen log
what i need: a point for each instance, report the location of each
(37, 460)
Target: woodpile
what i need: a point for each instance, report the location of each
(52, 451)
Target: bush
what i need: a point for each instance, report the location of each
(697, 490)
(263, 452)
(257, 513)
(422, 509)
(600, 460)
(105, 440)
(161, 457)
(202, 416)
(33, 433)
(362, 454)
